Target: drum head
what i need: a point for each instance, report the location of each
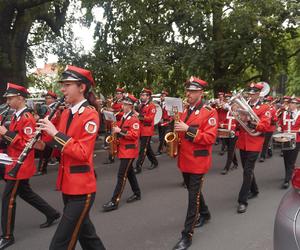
(158, 114)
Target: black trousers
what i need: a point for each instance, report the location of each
(196, 202)
(162, 130)
(45, 156)
(145, 150)
(76, 225)
(248, 159)
(23, 189)
(125, 171)
(290, 157)
(268, 136)
(231, 156)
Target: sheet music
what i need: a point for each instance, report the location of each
(109, 116)
(5, 159)
(172, 102)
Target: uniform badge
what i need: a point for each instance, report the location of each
(197, 112)
(80, 111)
(27, 130)
(90, 127)
(268, 114)
(153, 111)
(136, 126)
(212, 121)
(257, 107)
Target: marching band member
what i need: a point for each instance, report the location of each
(250, 146)
(146, 116)
(230, 124)
(21, 129)
(75, 138)
(116, 107)
(164, 123)
(270, 130)
(45, 155)
(128, 131)
(197, 131)
(290, 156)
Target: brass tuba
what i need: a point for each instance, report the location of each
(239, 108)
(171, 138)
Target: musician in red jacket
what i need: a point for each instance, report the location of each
(290, 123)
(270, 130)
(45, 155)
(20, 131)
(128, 132)
(146, 113)
(229, 123)
(251, 145)
(75, 138)
(164, 123)
(116, 107)
(197, 130)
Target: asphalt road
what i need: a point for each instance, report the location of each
(156, 221)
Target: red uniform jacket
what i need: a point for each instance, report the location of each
(19, 133)
(76, 171)
(295, 126)
(129, 137)
(146, 117)
(248, 142)
(225, 124)
(222, 113)
(274, 119)
(195, 150)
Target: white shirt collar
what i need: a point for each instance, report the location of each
(75, 108)
(126, 115)
(19, 112)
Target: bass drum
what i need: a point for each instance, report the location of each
(158, 114)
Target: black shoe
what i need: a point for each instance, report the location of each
(137, 170)
(108, 162)
(285, 185)
(203, 219)
(110, 206)
(235, 166)
(50, 221)
(262, 159)
(158, 153)
(153, 165)
(270, 152)
(252, 195)
(134, 197)
(242, 208)
(4, 243)
(183, 244)
(224, 171)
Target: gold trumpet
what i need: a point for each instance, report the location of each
(172, 138)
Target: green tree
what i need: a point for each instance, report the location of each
(17, 17)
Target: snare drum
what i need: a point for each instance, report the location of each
(225, 133)
(287, 141)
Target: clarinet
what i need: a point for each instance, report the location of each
(22, 157)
